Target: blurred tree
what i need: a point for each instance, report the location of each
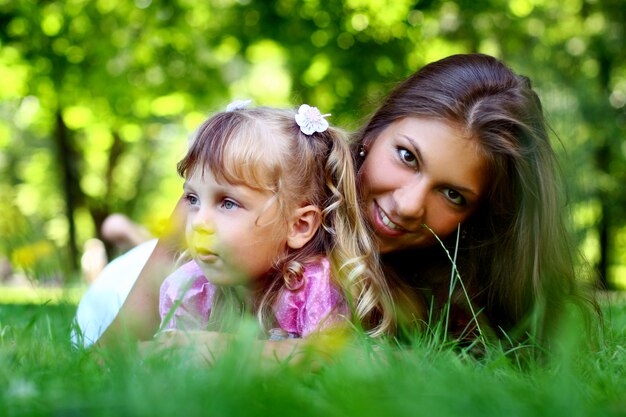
(97, 97)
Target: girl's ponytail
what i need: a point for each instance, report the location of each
(312, 164)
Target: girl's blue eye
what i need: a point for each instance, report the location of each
(229, 204)
(192, 199)
(407, 157)
(454, 196)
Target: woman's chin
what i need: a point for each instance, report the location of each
(387, 245)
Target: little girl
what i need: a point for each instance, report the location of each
(273, 222)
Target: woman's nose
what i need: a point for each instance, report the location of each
(410, 201)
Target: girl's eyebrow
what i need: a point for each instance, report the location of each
(188, 187)
(422, 162)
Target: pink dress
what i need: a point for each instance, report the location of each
(318, 304)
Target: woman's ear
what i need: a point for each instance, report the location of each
(305, 222)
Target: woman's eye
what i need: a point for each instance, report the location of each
(407, 157)
(454, 196)
(229, 204)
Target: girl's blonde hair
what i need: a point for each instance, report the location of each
(265, 149)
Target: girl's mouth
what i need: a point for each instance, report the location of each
(205, 255)
(203, 247)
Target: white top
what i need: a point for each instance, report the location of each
(104, 298)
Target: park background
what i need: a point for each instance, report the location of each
(98, 99)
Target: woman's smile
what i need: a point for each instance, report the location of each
(384, 224)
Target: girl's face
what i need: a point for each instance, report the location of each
(420, 172)
(233, 232)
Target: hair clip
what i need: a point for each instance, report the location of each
(311, 120)
(238, 105)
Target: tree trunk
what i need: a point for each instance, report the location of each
(603, 160)
(603, 262)
(66, 157)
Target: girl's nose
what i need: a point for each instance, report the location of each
(410, 201)
(202, 238)
(203, 222)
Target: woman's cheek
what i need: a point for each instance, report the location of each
(445, 224)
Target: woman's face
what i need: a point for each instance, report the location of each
(421, 172)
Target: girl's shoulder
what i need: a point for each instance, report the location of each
(187, 284)
(185, 275)
(317, 271)
(188, 290)
(314, 304)
(318, 280)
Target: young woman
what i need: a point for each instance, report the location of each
(461, 150)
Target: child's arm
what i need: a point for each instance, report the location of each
(318, 313)
(139, 316)
(210, 346)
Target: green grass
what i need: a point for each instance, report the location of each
(40, 295)
(41, 374)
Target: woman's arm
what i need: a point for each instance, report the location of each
(139, 316)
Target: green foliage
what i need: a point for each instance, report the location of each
(98, 97)
(24, 245)
(40, 374)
